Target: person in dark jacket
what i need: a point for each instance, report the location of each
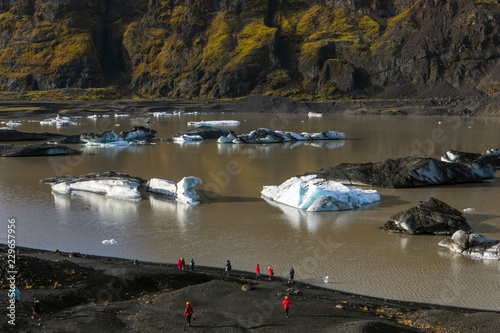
(191, 265)
(188, 314)
(291, 275)
(228, 268)
(37, 310)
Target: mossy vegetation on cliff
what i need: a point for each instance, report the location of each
(295, 48)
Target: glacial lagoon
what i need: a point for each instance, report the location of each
(234, 223)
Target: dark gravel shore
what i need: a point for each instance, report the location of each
(83, 293)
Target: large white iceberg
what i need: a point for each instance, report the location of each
(111, 188)
(317, 194)
(182, 191)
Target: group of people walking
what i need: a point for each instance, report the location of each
(189, 312)
(181, 264)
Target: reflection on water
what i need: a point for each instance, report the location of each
(234, 223)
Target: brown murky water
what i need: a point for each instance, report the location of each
(235, 223)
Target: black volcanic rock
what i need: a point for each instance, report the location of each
(433, 217)
(409, 171)
(491, 156)
(109, 175)
(206, 132)
(35, 150)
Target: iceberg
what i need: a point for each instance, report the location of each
(215, 123)
(315, 114)
(13, 124)
(473, 245)
(136, 133)
(316, 194)
(109, 242)
(264, 135)
(112, 188)
(182, 191)
(188, 138)
(162, 114)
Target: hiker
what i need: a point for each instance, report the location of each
(286, 305)
(271, 273)
(188, 314)
(16, 296)
(228, 268)
(257, 269)
(37, 310)
(179, 264)
(191, 265)
(183, 264)
(290, 275)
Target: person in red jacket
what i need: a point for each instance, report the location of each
(188, 313)
(179, 264)
(286, 305)
(271, 273)
(257, 269)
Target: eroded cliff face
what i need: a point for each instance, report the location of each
(230, 48)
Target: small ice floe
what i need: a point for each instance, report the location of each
(142, 120)
(440, 122)
(117, 125)
(315, 114)
(13, 124)
(188, 138)
(94, 116)
(215, 123)
(162, 114)
(105, 116)
(182, 191)
(179, 112)
(325, 279)
(121, 115)
(109, 242)
(468, 210)
(59, 121)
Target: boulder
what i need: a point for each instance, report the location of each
(35, 150)
(473, 245)
(433, 217)
(408, 171)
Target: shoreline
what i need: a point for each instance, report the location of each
(85, 283)
(29, 109)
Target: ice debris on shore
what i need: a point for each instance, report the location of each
(264, 135)
(473, 245)
(182, 191)
(215, 123)
(109, 242)
(317, 194)
(111, 188)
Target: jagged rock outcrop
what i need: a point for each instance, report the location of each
(186, 48)
(491, 156)
(205, 132)
(409, 171)
(35, 150)
(434, 217)
(473, 245)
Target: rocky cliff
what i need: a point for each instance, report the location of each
(230, 48)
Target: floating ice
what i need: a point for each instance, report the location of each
(182, 191)
(121, 115)
(94, 116)
(468, 210)
(188, 138)
(179, 112)
(264, 135)
(109, 242)
(111, 188)
(325, 279)
(315, 114)
(473, 245)
(215, 123)
(59, 121)
(13, 124)
(316, 194)
(162, 114)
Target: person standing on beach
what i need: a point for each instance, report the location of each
(291, 275)
(191, 265)
(183, 264)
(228, 268)
(271, 273)
(179, 264)
(188, 314)
(257, 269)
(37, 310)
(286, 305)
